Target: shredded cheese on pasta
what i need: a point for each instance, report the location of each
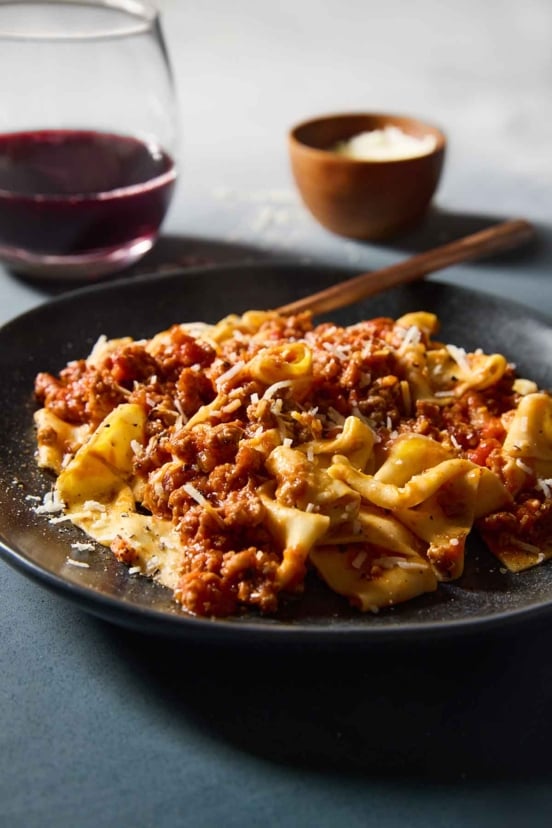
(228, 460)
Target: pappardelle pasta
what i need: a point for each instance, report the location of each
(226, 461)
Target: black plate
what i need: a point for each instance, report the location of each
(66, 328)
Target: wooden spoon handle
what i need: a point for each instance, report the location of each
(496, 238)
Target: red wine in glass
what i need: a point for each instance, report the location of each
(80, 194)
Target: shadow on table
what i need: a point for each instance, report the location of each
(475, 709)
(170, 253)
(441, 226)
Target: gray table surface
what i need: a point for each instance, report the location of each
(102, 727)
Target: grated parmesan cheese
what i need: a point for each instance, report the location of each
(526, 547)
(81, 564)
(359, 559)
(230, 374)
(455, 442)
(195, 494)
(390, 561)
(231, 407)
(523, 466)
(151, 564)
(545, 485)
(412, 336)
(93, 506)
(460, 356)
(50, 504)
(335, 416)
(388, 144)
(275, 387)
(135, 446)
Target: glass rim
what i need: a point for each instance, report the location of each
(142, 15)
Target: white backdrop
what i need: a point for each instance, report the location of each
(247, 69)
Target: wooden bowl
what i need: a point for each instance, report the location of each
(357, 198)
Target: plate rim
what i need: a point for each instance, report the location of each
(346, 271)
(152, 621)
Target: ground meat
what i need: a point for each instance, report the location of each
(193, 389)
(529, 519)
(82, 394)
(205, 593)
(155, 454)
(124, 551)
(243, 508)
(181, 350)
(207, 446)
(245, 577)
(205, 476)
(132, 364)
(534, 517)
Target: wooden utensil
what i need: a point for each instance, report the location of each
(497, 238)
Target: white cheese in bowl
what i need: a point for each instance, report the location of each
(387, 144)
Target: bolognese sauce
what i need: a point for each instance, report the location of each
(240, 421)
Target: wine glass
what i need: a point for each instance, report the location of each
(88, 135)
